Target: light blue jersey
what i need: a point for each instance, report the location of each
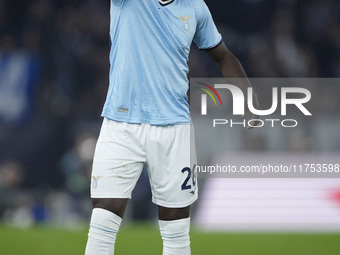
(149, 54)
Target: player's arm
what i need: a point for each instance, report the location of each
(231, 67)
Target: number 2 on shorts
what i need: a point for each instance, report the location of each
(185, 184)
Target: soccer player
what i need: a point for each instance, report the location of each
(146, 116)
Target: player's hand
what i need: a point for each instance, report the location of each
(255, 117)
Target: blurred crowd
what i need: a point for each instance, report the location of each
(54, 77)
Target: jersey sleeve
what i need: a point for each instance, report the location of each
(206, 36)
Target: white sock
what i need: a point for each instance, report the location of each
(104, 227)
(175, 235)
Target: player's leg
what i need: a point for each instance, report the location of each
(173, 184)
(166, 214)
(106, 218)
(116, 169)
(114, 205)
(174, 224)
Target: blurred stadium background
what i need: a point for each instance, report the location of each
(53, 83)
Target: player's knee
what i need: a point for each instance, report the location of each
(104, 225)
(175, 235)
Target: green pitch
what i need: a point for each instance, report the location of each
(145, 239)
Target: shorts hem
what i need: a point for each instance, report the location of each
(110, 196)
(174, 205)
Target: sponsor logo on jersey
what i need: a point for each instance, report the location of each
(123, 110)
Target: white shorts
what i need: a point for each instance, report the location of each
(122, 150)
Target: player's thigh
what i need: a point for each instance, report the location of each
(117, 162)
(165, 213)
(172, 175)
(114, 205)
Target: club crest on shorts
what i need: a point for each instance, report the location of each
(95, 181)
(185, 21)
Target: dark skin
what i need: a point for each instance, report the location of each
(230, 67)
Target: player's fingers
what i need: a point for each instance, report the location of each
(254, 122)
(245, 110)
